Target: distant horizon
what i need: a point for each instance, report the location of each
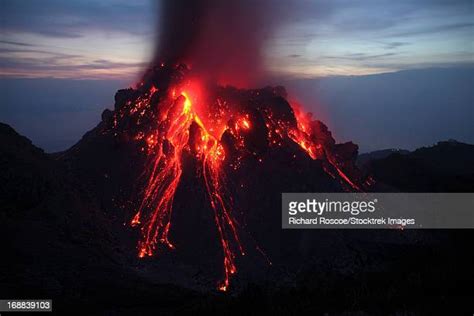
(55, 124)
(274, 79)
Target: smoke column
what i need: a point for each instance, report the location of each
(222, 40)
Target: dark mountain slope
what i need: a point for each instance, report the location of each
(444, 167)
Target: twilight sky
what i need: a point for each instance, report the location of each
(427, 45)
(113, 39)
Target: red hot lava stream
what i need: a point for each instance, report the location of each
(169, 139)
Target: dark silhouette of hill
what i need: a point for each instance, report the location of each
(57, 242)
(445, 167)
(363, 159)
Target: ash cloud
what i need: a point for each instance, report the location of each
(221, 40)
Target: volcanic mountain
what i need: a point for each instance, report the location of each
(198, 169)
(176, 196)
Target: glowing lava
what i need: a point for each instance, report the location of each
(166, 145)
(182, 121)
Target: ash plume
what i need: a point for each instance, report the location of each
(221, 40)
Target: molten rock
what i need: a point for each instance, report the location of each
(198, 146)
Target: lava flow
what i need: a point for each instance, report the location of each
(216, 129)
(165, 146)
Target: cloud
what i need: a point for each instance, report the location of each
(344, 36)
(55, 63)
(341, 17)
(394, 45)
(434, 29)
(94, 35)
(15, 43)
(360, 56)
(74, 38)
(74, 18)
(36, 63)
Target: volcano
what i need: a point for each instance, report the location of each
(184, 160)
(172, 203)
(181, 137)
(175, 197)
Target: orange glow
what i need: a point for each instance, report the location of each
(136, 220)
(302, 136)
(187, 103)
(169, 136)
(165, 147)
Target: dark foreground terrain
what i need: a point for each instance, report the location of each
(65, 235)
